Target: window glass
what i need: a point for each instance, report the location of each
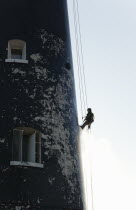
(26, 145)
(16, 54)
(17, 49)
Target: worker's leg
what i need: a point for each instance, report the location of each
(85, 123)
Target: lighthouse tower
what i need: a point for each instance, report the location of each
(39, 162)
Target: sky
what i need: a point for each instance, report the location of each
(109, 49)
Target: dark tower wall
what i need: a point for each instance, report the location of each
(40, 95)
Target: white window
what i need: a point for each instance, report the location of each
(16, 51)
(26, 148)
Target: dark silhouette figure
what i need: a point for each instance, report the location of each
(89, 119)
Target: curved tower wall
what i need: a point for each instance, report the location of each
(37, 97)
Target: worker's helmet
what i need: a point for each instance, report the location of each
(89, 110)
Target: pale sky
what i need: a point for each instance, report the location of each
(108, 30)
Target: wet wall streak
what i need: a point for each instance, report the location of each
(40, 95)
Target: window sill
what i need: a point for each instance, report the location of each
(28, 164)
(16, 61)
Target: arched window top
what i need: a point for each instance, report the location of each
(27, 130)
(17, 44)
(16, 51)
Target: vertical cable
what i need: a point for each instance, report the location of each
(92, 190)
(82, 58)
(78, 56)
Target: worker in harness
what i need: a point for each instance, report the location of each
(89, 119)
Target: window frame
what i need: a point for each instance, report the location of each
(33, 147)
(15, 44)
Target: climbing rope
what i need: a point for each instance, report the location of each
(92, 190)
(81, 75)
(80, 60)
(91, 172)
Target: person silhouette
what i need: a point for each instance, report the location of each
(89, 119)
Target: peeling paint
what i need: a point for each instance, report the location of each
(2, 140)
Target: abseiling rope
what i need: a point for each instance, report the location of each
(92, 192)
(81, 72)
(80, 60)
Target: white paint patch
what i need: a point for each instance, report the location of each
(39, 118)
(35, 57)
(57, 45)
(16, 70)
(18, 207)
(2, 140)
(15, 118)
(51, 180)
